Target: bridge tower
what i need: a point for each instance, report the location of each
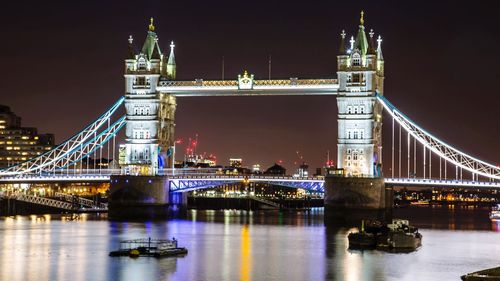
(150, 114)
(359, 188)
(360, 73)
(142, 191)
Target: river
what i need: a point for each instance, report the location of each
(242, 245)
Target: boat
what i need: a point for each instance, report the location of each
(147, 247)
(495, 212)
(420, 202)
(491, 274)
(366, 238)
(398, 235)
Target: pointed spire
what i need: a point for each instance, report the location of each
(131, 51)
(342, 50)
(149, 43)
(371, 45)
(379, 48)
(361, 42)
(171, 67)
(156, 50)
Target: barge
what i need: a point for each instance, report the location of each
(149, 248)
(398, 235)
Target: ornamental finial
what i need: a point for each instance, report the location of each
(130, 39)
(172, 45)
(151, 25)
(342, 34)
(362, 19)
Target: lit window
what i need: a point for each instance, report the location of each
(356, 59)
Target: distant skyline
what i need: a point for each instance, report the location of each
(62, 66)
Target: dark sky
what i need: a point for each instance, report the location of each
(62, 65)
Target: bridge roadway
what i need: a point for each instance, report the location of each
(183, 182)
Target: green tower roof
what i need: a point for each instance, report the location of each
(361, 43)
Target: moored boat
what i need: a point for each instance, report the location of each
(398, 235)
(149, 248)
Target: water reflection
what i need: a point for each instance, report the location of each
(244, 245)
(246, 259)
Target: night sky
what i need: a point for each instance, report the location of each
(62, 66)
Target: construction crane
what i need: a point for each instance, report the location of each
(302, 170)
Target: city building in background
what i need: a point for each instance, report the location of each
(256, 169)
(235, 162)
(276, 170)
(18, 144)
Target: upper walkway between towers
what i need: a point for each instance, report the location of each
(246, 86)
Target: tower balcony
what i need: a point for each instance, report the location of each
(355, 141)
(141, 141)
(133, 117)
(139, 86)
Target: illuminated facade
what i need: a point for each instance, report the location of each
(18, 144)
(236, 162)
(150, 113)
(360, 77)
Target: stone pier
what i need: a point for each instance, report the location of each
(350, 199)
(138, 197)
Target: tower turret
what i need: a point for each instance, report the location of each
(171, 67)
(156, 57)
(380, 57)
(342, 57)
(130, 60)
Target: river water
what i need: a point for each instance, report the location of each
(241, 245)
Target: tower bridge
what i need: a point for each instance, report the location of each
(151, 91)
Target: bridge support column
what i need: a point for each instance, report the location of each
(351, 199)
(138, 197)
(179, 200)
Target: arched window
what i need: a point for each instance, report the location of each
(356, 59)
(141, 63)
(362, 109)
(349, 109)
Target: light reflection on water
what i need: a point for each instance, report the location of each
(242, 245)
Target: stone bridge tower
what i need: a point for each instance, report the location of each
(360, 76)
(150, 114)
(358, 191)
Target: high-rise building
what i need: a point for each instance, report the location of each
(18, 144)
(361, 77)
